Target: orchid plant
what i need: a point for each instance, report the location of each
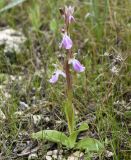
(88, 144)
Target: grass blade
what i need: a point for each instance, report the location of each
(12, 4)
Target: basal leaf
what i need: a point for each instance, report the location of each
(90, 144)
(72, 138)
(51, 135)
(83, 127)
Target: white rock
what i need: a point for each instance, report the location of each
(12, 40)
(49, 153)
(12, 78)
(55, 152)
(32, 156)
(47, 119)
(60, 157)
(72, 158)
(37, 119)
(19, 113)
(76, 155)
(23, 105)
(60, 151)
(48, 158)
(109, 154)
(55, 156)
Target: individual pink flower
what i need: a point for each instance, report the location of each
(66, 42)
(55, 76)
(77, 66)
(69, 13)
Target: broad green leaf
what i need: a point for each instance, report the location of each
(53, 25)
(83, 127)
(89, 144)
(51, 135)
(72, 138)
(12, 4)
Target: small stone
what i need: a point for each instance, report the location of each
(12, 78)
(78, 154)
(32, 156)
(48, 158)
(47, 119)
(72, 158)
(49, 153)
(12, 40)
(54, 156)
(60, 151)
(19, 113)
(37, 119)
(109, 154)
(23, 105)
(55, 152)
(60, 157)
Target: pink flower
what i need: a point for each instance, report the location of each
(66, 42)
(55, 76)
(69, 13)
(77, 66)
